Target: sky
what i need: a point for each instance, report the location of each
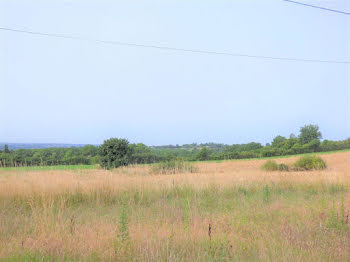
(74, 91)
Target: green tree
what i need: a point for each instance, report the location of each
(313, 146)
(67, 159)
(296, 148)
(89, 151)
(309, 133)
(114, 153)
(140, 148)
(278, 141)
(203, 154)
(6, 149)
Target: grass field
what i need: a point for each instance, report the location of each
(228, 211)
(277, 157)
(45, 168)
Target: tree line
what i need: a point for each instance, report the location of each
(116, 152)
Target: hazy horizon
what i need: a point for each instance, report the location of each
(79, 92)
(205, 142)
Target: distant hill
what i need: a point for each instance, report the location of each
(194, 146)
(15, 146)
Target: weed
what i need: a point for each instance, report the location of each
(72, 225)
(209, 232)
(173, 167)
(186, 213)
(283, 167)
(338, 221)
(267, 193)
(123, 219)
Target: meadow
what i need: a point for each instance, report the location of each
(227, 211)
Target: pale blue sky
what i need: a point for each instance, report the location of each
(59, 90)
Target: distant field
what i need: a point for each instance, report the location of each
(130, 215)
(277, 157)
(43, 168)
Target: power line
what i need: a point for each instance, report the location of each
(318, 7)
(174, 48)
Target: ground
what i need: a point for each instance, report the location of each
(128, 214)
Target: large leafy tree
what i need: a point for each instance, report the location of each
(309, 133)
(114, 153)
(278, 141)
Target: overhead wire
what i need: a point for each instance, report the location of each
(318, 7)
(176, 49)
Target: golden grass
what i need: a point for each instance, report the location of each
(255, 215)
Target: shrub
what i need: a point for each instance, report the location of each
(283, 167)
(310, 163)
(172, 167)
(270, 165)
(114, 153)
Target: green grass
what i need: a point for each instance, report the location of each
(46, 168)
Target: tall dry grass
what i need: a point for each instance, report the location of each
(128, 214)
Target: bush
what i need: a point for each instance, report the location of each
(270, 165)
(114, 153)
(310, 163)
(283, 167)
(173, 167)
